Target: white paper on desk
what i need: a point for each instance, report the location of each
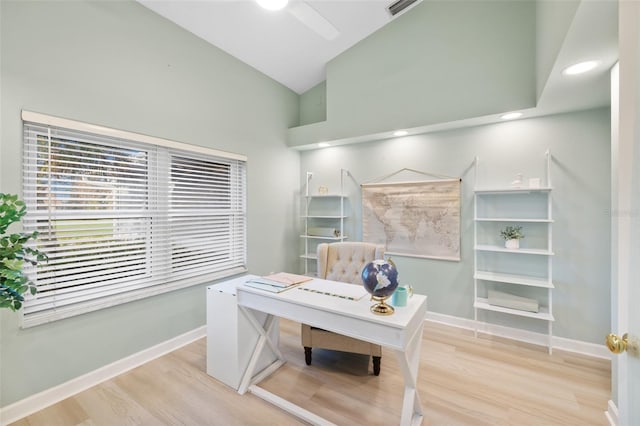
(335, 289)
(266, 281)
(266, 286)
(287, 279)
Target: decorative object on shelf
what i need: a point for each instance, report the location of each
(508, 300)
(14, 253)
(380, 278)
(319, 231)
(512, 236)
(518, 182)
(323, 190)
(401, 295)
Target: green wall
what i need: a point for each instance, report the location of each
(117, 64)
(313, 104)
(580, 148)
(443, 61)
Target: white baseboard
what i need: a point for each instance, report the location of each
(585, 348)
(612, 413)
(36, 402)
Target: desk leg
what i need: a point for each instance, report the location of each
(409, 361)
(262, 340)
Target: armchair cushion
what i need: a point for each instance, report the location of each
(344, 261)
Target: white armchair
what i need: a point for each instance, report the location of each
(343, 262)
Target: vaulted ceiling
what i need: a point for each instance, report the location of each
(293, 46)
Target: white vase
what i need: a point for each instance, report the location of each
(512, 244)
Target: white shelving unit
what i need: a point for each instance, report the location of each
(528, 269)
(318, 211)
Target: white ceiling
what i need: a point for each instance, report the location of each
(280, 44)
(593, 35)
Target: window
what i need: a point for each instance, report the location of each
(125, 216)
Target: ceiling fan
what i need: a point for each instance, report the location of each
(310, 17)
(305, 14)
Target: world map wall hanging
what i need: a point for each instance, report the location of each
(418, 219)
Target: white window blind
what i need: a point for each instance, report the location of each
(121, 220)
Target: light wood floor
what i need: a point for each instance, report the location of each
(462, 381)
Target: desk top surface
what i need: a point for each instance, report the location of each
(351, 308)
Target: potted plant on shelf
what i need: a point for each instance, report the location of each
(14, 253)
(512, 236)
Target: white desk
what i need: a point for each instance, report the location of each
(400, 332)
(232, 337)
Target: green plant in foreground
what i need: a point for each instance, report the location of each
(14, 253)
(512, 233)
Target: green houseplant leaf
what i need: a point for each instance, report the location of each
(14, 253)
(512, 233)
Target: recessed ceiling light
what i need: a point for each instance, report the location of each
(323, 144)
(400, 133)
(580, 68)
(273, 4)
(511, 115)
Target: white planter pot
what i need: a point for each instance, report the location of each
(512, 244)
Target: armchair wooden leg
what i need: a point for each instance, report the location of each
(376, 365)
(307, 355)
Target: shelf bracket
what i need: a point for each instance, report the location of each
(548, 164)
(309, 176)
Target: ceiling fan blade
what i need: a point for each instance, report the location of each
(312, 19)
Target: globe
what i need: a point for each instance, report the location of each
(380, 279)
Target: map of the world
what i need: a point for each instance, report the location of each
(420, 219)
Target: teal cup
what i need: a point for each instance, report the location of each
(401, 296)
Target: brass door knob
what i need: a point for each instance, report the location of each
(616, 344)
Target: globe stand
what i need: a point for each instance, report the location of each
(381, 308)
